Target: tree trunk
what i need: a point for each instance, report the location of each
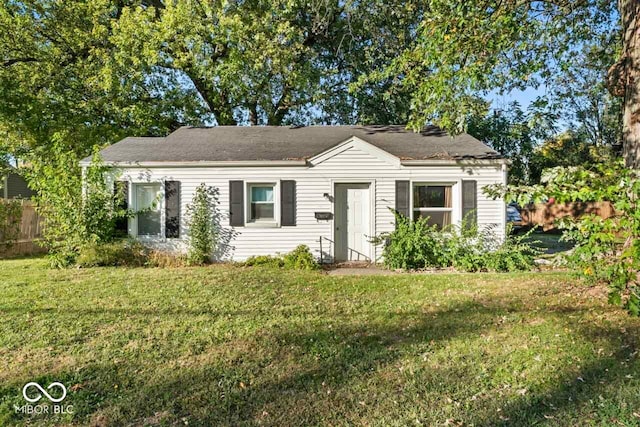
(253, 114)
(629, 80)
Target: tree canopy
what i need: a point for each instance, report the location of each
(93, 72)
(98, 70)
(463, 50)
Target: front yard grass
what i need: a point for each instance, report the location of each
(227, 345)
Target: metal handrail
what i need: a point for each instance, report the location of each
(331, 246)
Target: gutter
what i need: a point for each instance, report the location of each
(296, 163)
(454, 162)
(198, 164)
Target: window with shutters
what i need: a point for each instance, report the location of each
(147, 200)
(433, 201)
(262, 203)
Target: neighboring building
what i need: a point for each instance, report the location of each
(333, 186)
(13, 186)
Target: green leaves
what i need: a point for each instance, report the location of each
(414, 244)
(203, 223)
(607, 250)
(463, 50)
(76, 210)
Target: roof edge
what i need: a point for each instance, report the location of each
(198, 163)
(272, 163)
(454, 162)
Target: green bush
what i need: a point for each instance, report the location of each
(415, 245)
(514, 254)
(77, 210)
(300, 258)
(125, 253)
(113, 254)
(264, 260)
(607, 250)
(203, 223)
(412, 245)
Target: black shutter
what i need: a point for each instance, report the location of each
(470, 203)
(172, 209)
(121, 195)
(236, 203)
(403, 194)
(288, 203)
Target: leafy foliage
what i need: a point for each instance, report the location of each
(466, 49)
(265, 261)
(74, 217)
(567, 149)
(514, 133)
(10, 217)
(203, 222)
(417, 245)
(580, 98)
(103, 69)
(125, 253)
(413, 245)
(58, 75)
(606, 250)
(119, 253)
(300, 258)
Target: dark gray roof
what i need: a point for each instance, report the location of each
(244, 143)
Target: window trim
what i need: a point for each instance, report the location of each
(133, 202)
(265, 223)
(455, 205)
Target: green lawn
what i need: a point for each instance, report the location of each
(228, 345)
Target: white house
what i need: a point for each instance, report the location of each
(329, 187)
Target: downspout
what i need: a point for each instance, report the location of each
(84, 183)
(505, 177)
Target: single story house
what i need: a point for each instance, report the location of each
(329, 187)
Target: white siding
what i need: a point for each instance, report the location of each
(355, 162)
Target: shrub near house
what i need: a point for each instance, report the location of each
(417, 245)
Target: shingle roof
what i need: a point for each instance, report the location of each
(246, 143)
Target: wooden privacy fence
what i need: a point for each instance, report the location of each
(30, 231)
(545, 214)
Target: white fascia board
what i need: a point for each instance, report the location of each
(449, 162)
(233, 163)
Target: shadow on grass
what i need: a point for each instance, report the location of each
(286, 368)
(594, 380)
(286, 377)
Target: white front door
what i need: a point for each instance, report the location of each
(352, 222)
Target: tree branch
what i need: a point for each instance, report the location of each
(9, 62)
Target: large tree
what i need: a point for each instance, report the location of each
(57, 78)
(94, 71)
(624, 79)
(466, 49)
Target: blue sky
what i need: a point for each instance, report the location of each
(524, 98)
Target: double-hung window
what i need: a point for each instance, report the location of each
(262, 202)
(433, 201)
(147, 199)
